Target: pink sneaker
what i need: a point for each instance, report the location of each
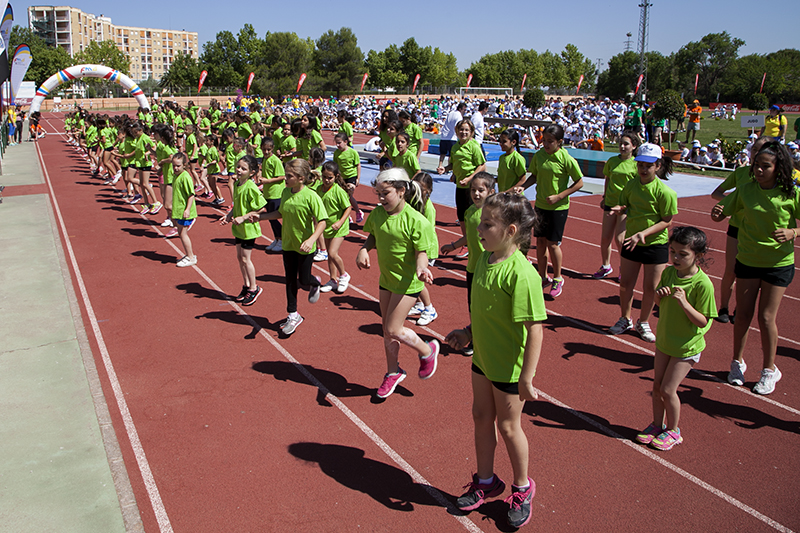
(172, 233)
(557, 288)
(427, 365)
(359, 217)
(390, 382)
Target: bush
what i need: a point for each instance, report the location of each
(533, 99)
(758, 101)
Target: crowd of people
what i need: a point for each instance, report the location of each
(260, 161)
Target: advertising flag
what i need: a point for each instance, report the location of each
(363, 81)
(524, 78)
(250, 81)
(19, 66)
(203, 76)
(416, 81)
(300, 83)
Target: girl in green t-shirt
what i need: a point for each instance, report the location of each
(401, 234)
(511, 169)
(212, 167)
(686, 306)
(349, 164)
(272, 185)
(506, 332)
(184, 211)
(337, 204)
(618, 171)
(424, 306)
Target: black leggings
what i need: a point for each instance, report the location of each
(274, 205)
(295, 264)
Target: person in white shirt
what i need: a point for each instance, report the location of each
(448, 132)
(715, 156)
(477, 121)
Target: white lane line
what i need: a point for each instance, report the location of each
(138, 451)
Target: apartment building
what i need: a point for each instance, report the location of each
(150, 50)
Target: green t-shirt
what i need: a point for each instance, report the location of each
(212, 160)
(91, 135)
(336, 201)
(347, 129)
(272, 168)
(142, 145)
(202, 153)
(398, 238)
(277, 138)
(230, 159)
(348, 162)
(504, 296)
(736, 179)
(255, 116)
(288, 144)
(126, 147)
(182, 190)
(676, 336)
(408, 162)
(165, 152)
(256, 143)
(430, 215)
(510, 170)
(618, 173)
(244, 130)
(553, 172)
(465, 158)
(763, 211)
(647, 205)
(108, 136)
(415, 138)
(306, 144)
(205, 125)
(191, 146)
(472, 218)
(299, 211)
(246, 198)
(180, 124)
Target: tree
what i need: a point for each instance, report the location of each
(619, 79)
(443, 69)
(183, 72)
(575, 65)
(286, 57)
(533, 98)
(414, 60)
(709, 58)
(221, 58)
(555, 74)
(104, 53)
(757, 102)
(338, 60)
(45, 60)
(669, 106)
(384, 68)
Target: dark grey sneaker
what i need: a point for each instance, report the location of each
(519, 512)
(476, 493)
(313, 292)
(251, 296)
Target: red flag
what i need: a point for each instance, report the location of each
(524, 77)
(300, 83)
(469, 81)
(580, 81)
(363, 81)
(762, 82)
(638, 83)
(416, 81)
(203, 76)
(696, 79)
(250, 81)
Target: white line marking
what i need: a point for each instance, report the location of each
(138, 451)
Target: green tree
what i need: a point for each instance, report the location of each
(575, 65)
(286, 57)
(104, 53)
(384, 68)
(183, 72)
(414, 60)
(45, 60)
(710, 58)
(757, 102)
(338, 60)
(221, 58)
(554, 72)
(669, 106)
(619, 79)
(533, 98)
(443, 69)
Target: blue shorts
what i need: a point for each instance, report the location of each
(183, 221)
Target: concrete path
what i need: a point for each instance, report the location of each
(61, 469)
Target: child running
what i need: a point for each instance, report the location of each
(551, 168)
(506, 331)
(337, 204)
(304, 219)
(650, 206)
(248, 203)
(184, 211)
(685, 297)
(769, 207)
(401, 235)
(618, 170)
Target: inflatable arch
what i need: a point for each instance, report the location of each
(88, 71)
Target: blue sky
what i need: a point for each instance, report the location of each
(471, 29)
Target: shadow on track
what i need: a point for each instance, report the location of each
(335, 383)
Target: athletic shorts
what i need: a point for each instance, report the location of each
(351, 181)
(463, 201)
(655, 254)
(412, 294)
(193, 161)
(550, 224)
(733, 231)
(246, 244)
(693, 126)
(183, 221)
(445, 147)
(508, 388)
(144, 169)
(778, 276)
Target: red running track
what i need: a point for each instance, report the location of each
(225, 426)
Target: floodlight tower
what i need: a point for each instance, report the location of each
(628, 43)
(644, 37)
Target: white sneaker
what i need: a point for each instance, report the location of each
(622, 325)
(766, 385)
(321, 255)
(736, 375)
(344, 282)
(427, 316)
(644, 331)
(328, 287)
(417, 309)
(167, 223)
(187, 261)
(290, 324)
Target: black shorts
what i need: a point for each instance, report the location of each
(778, 276)
(412, 294)
(145, 169)
(463, 201)
(508, 388)
(351, 181)
(550, 224)
(246, 244)
(655, 254)
(193, 161)
(607, 207)
(445, 147)
(733, 231)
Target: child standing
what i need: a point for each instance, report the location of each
(424, 306)
(506, 331)
(769, 207)
(303, 222)
(404, 157)
(248, 203)
(349, 164)
(685, 297)
(511, 167)
(184, 211)
(334, 197)
(650, 207)
(401, 235)
(272, 185)
(618, 170)
(551, 168)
